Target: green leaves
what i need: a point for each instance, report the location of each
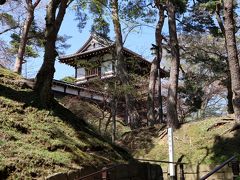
(97, 6)
(7, 19)
(100, 25)
(81, 16)
(210, 5)
(198, 20)
(68, 79)
(192, 91)
(138, 10)
(180, 5)
(29, 52)
(61, 43)
(87, 64)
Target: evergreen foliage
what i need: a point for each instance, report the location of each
(69, 79)
(7, 19)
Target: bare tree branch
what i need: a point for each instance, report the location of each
(9, 29)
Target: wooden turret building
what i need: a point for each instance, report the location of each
(96, 59)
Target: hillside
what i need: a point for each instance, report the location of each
(208, 141)
(35, 142)
(96, 114)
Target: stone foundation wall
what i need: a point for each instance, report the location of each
(132, 171)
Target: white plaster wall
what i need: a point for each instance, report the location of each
(58, 88)
(80, 81)
(85, 94)
(80, 73)
(106, 68)
(74, 91)
(107, 76)
(71, 91)
(96, 97)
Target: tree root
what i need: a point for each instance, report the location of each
(235, 127)
(228, 119)
(217, 125)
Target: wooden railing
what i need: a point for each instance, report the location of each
(92, 72)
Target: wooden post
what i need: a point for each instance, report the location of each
(105, 174)
(235, 169)
(182, 172)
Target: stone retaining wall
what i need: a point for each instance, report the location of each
(145, 171)
(132, 171)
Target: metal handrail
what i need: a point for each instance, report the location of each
(216, 169)
(168, 162)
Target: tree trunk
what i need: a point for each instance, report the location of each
(158, 37)
(151, 92)
(22, 46)
(229, 27)
(172, 116)
(2, 2)
(228, 79)
(120, 66)
(113, 112)
(155, 71)
(23, 42)
(46, 72)
(230, 109)
(219, 19)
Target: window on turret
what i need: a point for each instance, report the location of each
(92, 72)
(106, 68)
(80, 73)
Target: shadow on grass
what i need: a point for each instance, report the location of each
(85, 154)
(78, 124)
(29, 98)
(224, 148)
(140, 140)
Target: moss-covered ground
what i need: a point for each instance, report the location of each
(207, 141)
(36, 142)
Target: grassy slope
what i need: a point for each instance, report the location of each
(35, 142)
(193, 141)
(96, 115)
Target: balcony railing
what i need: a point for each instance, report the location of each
(92, 72)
